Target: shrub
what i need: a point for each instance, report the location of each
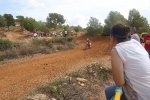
(59, 40)
(59, 47)
(5, 44)
(44, 42)
(70, 38)
(2, 57)
(10, 54)
(70, 45)
(26, 51)
(2, 34)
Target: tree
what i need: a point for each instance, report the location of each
(77, 28)
(9, 20)
(138, 21)
(94, 27)
(55, 19)
(2, 21)
(20, 19)
(29, 23)
(111, 19)
(41, 26)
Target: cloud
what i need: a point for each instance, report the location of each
(34, 4)
(76, 12)
(78, 19)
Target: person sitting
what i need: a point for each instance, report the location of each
(130, 66)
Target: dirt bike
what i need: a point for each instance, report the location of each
(88, 46)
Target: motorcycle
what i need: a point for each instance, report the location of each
(88, 46)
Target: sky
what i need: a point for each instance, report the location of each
(76, 12)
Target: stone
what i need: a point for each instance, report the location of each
(38, 97)
(81, 79)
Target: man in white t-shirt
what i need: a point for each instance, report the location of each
(65, 33)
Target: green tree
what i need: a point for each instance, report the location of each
(20, 19)
(111, 19)
(29, 23)
(77, 28)
(94, 27)
(55, 19)
(2, 21)
(41, 26)
(9, 20)
(138, 21)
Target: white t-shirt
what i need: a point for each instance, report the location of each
(65, 32)
(136, 67)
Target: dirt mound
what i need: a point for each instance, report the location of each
(20, 76)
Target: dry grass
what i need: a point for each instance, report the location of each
(25, 48)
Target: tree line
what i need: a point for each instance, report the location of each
(94, 27)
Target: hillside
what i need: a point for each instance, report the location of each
(20, 76)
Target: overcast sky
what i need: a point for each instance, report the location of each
(76, 12)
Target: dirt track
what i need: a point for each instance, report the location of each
(20, 76)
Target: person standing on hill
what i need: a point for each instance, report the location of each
(134, 35)
(147, 42)
(55, 34)
(130, 66)
(61, 34)
(66, 33)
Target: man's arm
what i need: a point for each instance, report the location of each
(117, 68)
(147, 42)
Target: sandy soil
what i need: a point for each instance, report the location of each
(18, 77)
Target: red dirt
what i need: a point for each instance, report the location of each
(21, 76)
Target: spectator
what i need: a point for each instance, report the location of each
(147, 42)
(61, 34)
(55, 33)
(134, 35)
(65, 33)
(130, 66)
(35, 35)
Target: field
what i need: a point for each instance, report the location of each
(20, 76)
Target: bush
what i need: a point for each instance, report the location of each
(1, 57)
(59, 40)
(59, 47)
(2, 34)
(10, 54)
(27, 51)
(70, 38)
(5, 44)
(43, 42)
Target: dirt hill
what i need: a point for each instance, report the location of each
(18, 77)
